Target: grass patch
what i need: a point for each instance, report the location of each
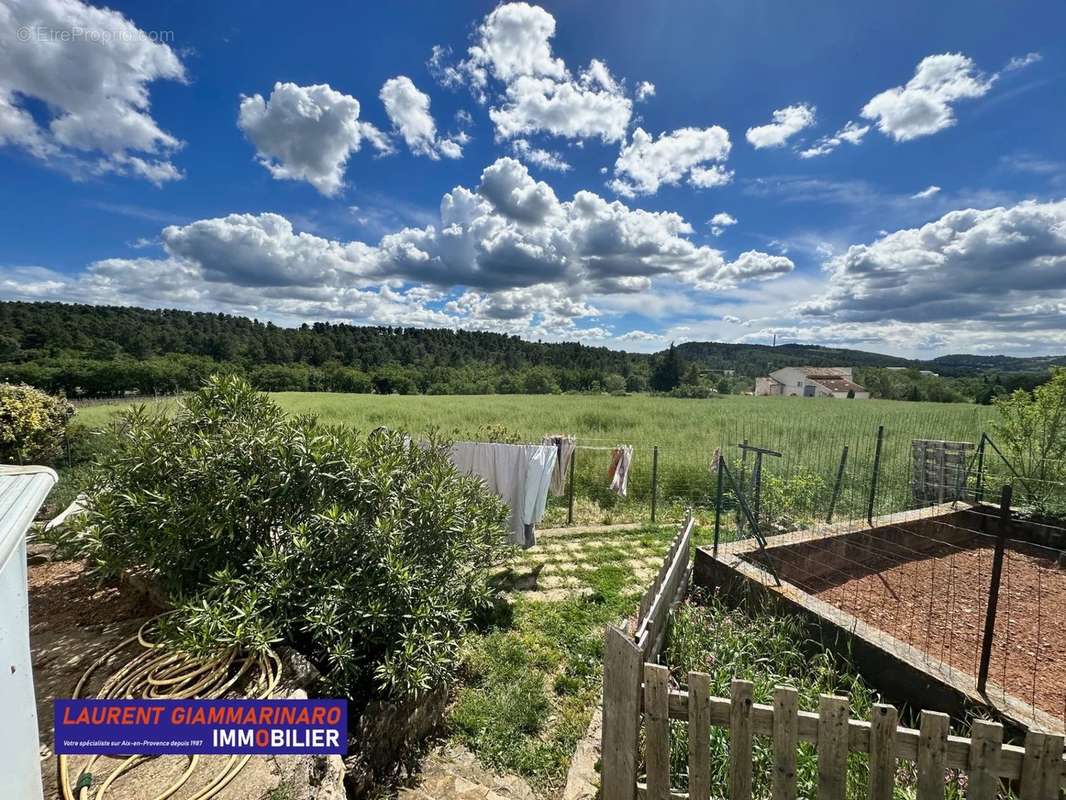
(530, 682)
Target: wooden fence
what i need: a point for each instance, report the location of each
(624, 653)
(637, 693)
(649, 627)
(1035, 770)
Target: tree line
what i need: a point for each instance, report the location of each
(106, 351)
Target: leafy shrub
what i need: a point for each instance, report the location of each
(1032, 428)
(801, 495)
(32, 424)
(367, 553)
(693, 392)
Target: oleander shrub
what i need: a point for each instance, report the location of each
(32, 424)
(366, 552)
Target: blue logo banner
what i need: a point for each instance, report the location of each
(184, 727)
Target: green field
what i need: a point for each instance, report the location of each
(810, 434)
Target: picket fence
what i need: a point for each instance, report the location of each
(637, 694)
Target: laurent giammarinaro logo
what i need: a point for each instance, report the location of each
(205, 727)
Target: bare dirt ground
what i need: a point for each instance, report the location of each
(938, 604)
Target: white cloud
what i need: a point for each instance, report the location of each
(508, 256)
(1020, 62)
(546, 159)
(514, 41)
(645, 89)
(1003, 268)
(572, 109)
(94, 86)
(512, 46)
(925, 193)
(732, 320)
(720, 221)
(852, 133)
(408, 110)
(640, 336)
(646, 163)
(307, 133)
(787, 123)
(924, 105)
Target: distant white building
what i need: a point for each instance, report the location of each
(810, 382)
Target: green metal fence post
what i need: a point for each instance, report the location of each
(570, 496)
(654, 480)
(718, 504)
(837, 485)
(979, 489)
(876, 473)
(993, 588)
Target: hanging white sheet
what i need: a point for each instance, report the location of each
(520, 474)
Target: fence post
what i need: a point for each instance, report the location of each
(876, 472)
(621, 716)
(570, 495)
(743, 468)
(993, 588)
(718, 504)
(837, 484)
(654, 480)
(979, 489)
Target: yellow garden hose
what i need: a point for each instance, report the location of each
(161, 674)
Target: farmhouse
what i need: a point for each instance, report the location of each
(810, 382)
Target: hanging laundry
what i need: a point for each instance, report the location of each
(564, 447)
(519, 474)
(618, 475)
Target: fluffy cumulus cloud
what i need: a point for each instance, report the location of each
(307, 133)
(645, 89)
(720, 221)
(638, 335)
(787, 123)
(408, 110)
(94, 87)
(538, 156)
(925, 104)
(538, 92)
(693, 155)
(851, 133)
(507, 255)
(1001, 268)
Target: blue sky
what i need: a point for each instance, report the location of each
(889, 177)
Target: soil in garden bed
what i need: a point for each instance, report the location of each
(938, 604)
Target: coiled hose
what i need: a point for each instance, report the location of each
(161, 674)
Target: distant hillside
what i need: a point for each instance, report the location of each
(751, 359)
(87, 350)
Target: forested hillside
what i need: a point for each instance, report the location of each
(91, 351)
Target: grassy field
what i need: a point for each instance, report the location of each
(809, 433)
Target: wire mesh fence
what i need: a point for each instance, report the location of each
(971, 593)
(819, 472)
(912, 552)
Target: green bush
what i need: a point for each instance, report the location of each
(369, 554)
(32, 424)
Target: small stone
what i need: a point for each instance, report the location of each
(40, 553)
